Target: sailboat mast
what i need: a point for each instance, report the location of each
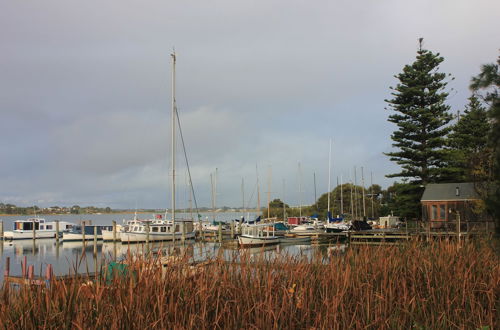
(173, 135)
(363, 185)
(258, 190)
(341, 197)
(329, 176)
(300, 192)
(269, 193)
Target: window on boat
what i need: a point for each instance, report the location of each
(163, 229)
(41, 227)
(48, 227)
(176, 228)
(155, 229)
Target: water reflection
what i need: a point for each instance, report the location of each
(68, 257)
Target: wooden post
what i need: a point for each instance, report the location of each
(34, 230)
(1, 230)
(95, 241)
(83, 234)
(220, 232)
(147, 237)
(239, 225)
(31, 272)
(6, 272)
(114, 231)
(232, 229)
(48, 272)
(23, 267)
(183, 237)
(57, 231)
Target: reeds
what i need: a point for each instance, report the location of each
(437, 285)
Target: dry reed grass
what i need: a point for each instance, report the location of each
(438, 285)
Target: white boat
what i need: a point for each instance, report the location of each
(306, 229)
(23, 229)
(338, 227)
(158, 232)
(254, 235)
(107, 232)
(160, 229)
(77, 234)
(294, 239)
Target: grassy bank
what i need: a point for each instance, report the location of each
(440, 285)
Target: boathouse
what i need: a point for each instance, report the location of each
(451, 206)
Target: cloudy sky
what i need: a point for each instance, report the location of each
(85, 93)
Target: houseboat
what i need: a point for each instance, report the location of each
(165, 231)
(23, 229)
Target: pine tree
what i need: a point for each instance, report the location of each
(471, 154)
(488, 82)
(421, 116)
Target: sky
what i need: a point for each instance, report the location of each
(262, 86)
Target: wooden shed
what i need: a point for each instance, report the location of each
(449, 205)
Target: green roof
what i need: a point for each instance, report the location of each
(449, 192)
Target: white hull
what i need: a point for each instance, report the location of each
(29, 234)
(79, 237)
(131, 237)
(107, 235)
(248, 240)
(295, 240)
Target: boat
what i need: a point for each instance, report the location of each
(294, 239)
(254, 235)
(307, 229)
(155, 232)
(159, 229)
(23, 229)
(337, 225)
(82, 233)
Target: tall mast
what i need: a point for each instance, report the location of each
(243, 193)
(363, 185)
(371, 188)
(174, 110)
(258, 190)
(300, 192)
(284, 208)
(341, 197)
(329, 176)
(355, 194)
(269, 193)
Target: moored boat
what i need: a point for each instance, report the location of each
(254, 235)
(167, 231)
(23, 229)
(80, 233)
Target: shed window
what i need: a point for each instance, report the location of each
(442, 211)
(434, 212)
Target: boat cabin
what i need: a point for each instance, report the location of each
(295, 221)
(453, 206)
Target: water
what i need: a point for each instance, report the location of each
(71, 257)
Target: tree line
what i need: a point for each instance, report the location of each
(432, 144)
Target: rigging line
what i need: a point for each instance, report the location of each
(187, 162)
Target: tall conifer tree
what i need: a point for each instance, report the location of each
(421, 116)
(471, 154)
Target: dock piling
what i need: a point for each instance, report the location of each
(31, 272)
(1, 230)
(34, 230)
(6, 272)
(183, 237)
(220, 232)
(147, 237)
(57, 231)
(83, 234)
(95, 240)
(114, 230)
(232, 229)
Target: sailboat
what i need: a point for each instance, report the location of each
(166, 230)
(334, 225)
